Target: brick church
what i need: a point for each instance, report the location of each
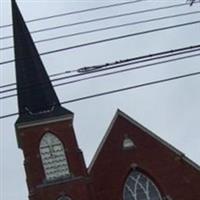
(131, 163)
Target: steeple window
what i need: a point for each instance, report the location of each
(53, 157)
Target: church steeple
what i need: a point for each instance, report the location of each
(36, 96)
(53, 161)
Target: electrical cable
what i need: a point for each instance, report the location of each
(125, 70)
(109, 28)
(108, 40)
(131, 87)
(108, 66)
(111, 73)
(78, 12)
(118, 90)
(96, 20)
(51, 75)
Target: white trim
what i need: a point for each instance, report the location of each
(44, 121)
(119, 112)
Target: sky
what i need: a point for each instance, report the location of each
(171, 110)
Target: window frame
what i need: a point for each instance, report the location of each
(45, 166)
(150, 181)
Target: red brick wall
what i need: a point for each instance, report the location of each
(75, 189)
(30, 140)
(171, 174)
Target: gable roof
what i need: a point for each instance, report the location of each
(153, 135)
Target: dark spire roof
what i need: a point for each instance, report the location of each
(36, 96)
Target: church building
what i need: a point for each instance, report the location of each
(131, 162)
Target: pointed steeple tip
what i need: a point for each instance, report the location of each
(13, 2)
(36, 96)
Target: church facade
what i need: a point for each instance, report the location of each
(131, 163)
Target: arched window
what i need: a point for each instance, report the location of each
(138, 186)
(64, 198)
(128, 143)
(53, 157)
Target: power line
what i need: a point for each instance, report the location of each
(78, 12)
(51, 75)
(99, 19)
(115, 72)
(113, 65)
(110, 27)
(129, 69)
(131, 87)
(108, 40)
(118, 90)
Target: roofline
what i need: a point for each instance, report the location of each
(103, 141)
(44, 121)
(169, 146)
(38, 123)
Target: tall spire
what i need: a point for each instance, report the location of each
(36, 96)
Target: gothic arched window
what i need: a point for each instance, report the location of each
(53, 157)
(64, 198)
(138, 186)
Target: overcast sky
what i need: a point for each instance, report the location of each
(171, 110)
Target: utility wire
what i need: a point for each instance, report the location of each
(131, 87)
(129, 69)
(117, 65)
(113, 65)
(78, 12)
(119, 90)
(51, 75)
(115, 72)
(108, 40)
(110, 27)
(99, 19)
